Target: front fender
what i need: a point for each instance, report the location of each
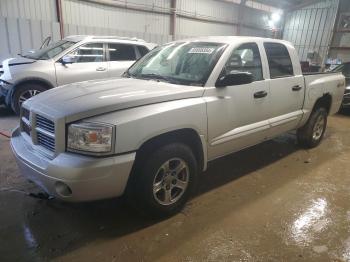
(137, 125)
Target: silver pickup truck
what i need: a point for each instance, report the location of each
(149, 134)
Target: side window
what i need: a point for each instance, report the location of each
(246, 58)
(279, 60)
(143, 50)
(121, 52)
(88, 53)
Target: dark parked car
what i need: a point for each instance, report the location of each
(345, 69)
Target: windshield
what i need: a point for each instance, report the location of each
(187, 63)
(50, 51)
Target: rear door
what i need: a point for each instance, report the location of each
(287, 88)
(120, 57)
(90, 63)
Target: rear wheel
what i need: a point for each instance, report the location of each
(23, 93)
(311, 134)
(162, 183)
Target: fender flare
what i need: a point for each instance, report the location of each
(8, 99)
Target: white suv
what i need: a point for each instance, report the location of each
(72, 59)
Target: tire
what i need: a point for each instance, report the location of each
(150, 181)
(311, 134)
(24, 92)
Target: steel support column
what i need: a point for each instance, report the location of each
(60, 17)
(173, 19)
(241, 10)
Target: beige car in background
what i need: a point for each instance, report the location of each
(73, 59)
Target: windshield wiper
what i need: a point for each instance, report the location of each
(157, 77)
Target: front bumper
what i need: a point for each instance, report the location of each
(88, 178)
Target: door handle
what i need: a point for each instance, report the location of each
(297, 88)
(260, 94)
(100, 68)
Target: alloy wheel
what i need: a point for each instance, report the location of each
(171, 181)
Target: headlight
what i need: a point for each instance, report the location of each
(90, 137)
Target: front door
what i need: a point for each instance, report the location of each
(238, 115)
(89, 63)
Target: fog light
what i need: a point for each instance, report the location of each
(62, 189)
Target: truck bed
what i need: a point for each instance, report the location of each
(319, 84)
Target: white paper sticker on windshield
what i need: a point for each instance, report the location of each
(201, 50)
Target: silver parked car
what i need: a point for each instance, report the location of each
(73, 59)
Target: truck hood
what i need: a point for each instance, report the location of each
(81, 100)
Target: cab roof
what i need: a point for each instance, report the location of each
(231, 39)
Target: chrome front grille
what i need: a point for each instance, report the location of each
(46, 141)
(25, 122)
(40, 129)
(45, 132)
(45, 124)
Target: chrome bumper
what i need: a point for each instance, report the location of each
(88, 178)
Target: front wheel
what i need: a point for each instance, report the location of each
(311, 134)
(163, 182)
(23, 93)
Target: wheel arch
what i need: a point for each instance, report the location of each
(188, 136)
(323, 101)
(36, 80)
(31, 80)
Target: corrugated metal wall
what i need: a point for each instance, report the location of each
(24, 24)
(340, 47)
(310, 29)
(92, 18)
(204, 9)
(76, 12)
(29, 9)
(19, 35)
(252, 19)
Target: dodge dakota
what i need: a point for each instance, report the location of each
(149, 134)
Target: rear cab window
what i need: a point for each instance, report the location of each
(280, 63)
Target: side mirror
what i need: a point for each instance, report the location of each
(235, 78)
(68, 59)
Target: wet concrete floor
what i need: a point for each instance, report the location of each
(272, 202)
